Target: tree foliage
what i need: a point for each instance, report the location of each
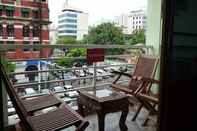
(66, 40)
(10, 67)
(138, 37)
(105, 33)
(76, 52)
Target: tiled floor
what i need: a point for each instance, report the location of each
(112, 122)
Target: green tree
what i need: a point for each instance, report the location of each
(65, 62)
(106, 34)
(76, 52)
(138, 37)
(66, 40)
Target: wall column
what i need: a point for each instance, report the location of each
(154, 25)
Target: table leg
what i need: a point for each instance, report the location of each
(122, 122)
(80, 107)
(101, 121)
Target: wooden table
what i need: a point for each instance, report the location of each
(104, 101)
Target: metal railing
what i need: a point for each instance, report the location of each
(3, 48)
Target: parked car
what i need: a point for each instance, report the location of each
(58, 89)
(72, 94)
(68, 87)
(30, 92)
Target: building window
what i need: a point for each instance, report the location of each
(26, 31)
(26, 43)
(10, 30)
(68, 31)
(1, 30)
(36, 31)
(1, 42)
(11, 43)
(25, 12)
(68, 26)
(68, 20)
(1, 10)
(10, 11)
(35, 43)
(35, 14)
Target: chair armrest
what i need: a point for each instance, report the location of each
(150, 80)
(122, 73)
(148, 98)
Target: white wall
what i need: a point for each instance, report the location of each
(154, 23)
(82, 25)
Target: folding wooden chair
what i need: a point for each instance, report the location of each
(54, 120)
(146, 67)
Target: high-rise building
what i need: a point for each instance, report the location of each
(72, 22)
(24, 22)
(122, 21)
(137, 20)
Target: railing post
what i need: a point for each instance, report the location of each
(94, 75)
(3, 98)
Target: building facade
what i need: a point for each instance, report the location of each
(24, 22)
(72, 22)
(122, 21)
(137, 20)
(132, 22)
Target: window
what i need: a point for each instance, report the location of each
(35, 14)
(68, 31)
(26, 43)
(10, 11)
(71, 15)
(1, 42)
(1, 10)
(68, 20)
(25, 12)
(11, 42)
(26, 31)
(10, 30)
(36, 31)
(67, 25)
(35, 43)
(1, 30)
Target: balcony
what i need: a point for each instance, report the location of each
(64, 82)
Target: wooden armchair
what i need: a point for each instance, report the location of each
(148, 100)
(145, 67)
(54, 120)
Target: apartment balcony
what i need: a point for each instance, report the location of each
(64, 82)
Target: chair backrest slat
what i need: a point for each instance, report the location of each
(145, 67)
(19, 107)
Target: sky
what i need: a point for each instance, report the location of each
(97, 9)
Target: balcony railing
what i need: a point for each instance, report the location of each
(56, 68)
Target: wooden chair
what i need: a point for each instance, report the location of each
(148, 100)
(145, 67)
(55, 120)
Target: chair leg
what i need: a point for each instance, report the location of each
(82, 126)
(145, 122)
(137, 112)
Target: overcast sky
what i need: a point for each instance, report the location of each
(97, 9)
